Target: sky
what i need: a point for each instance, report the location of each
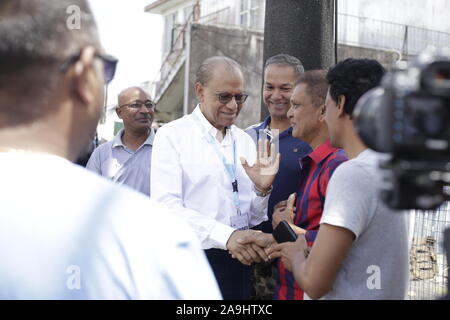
(134, 37)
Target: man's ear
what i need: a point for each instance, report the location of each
(119, 112)
(199, 91)
(322, 113)
(340, 105)
(85, 76)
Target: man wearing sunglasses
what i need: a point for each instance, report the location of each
(66, 233)
(126, 159)
(200, 171)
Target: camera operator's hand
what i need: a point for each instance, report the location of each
(245, 253)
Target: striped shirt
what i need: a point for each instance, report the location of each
(316, 170)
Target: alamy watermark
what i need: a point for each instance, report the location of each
(374, 280)
(73, 281)
(73, 21)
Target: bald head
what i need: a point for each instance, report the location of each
(216, 65)
(219, 88)
(126, 94)
(132, 109)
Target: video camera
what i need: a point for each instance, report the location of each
(408, 118)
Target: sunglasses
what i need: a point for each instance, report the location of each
(109, 65)
(226, 97)
(136, 105)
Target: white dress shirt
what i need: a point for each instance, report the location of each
(66, 233)
(189, 177)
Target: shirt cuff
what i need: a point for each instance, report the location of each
(220, 235)
(260, 205)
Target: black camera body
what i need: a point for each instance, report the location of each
(408, 118)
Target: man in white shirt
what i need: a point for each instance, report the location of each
(126, 159)
(197, 172)
(66, 233)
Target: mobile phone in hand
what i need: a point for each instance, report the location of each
(284, 233)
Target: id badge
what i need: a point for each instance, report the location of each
(240, 222)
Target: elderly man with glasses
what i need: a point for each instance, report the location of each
(126, 159)
(200, 171)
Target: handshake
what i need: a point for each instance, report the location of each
(250, 246)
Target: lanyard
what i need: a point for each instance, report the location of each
(229, 168)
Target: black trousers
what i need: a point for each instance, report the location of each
(233, 277)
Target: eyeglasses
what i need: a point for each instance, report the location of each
(225, 97)
(136, 105)
(109, 65)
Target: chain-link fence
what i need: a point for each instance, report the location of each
(428, 268)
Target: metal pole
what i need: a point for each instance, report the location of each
(186, 69)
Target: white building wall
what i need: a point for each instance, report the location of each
(180, 9)
(403, 26)
(429, 14)
(229, 12)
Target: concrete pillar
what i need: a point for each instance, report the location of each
(302, 28)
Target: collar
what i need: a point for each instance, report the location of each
(321, 152)
(117, 141)
(210, 128)
(266, 123)
(368, 154)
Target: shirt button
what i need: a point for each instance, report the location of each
(295, 150)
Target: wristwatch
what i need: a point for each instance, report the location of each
(260, 193)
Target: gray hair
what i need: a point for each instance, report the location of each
(316, 85)
(206, 69)
(286, 60)
(35, 39)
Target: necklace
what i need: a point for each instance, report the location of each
(14, 150)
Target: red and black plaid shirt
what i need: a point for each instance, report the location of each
(316, 170)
